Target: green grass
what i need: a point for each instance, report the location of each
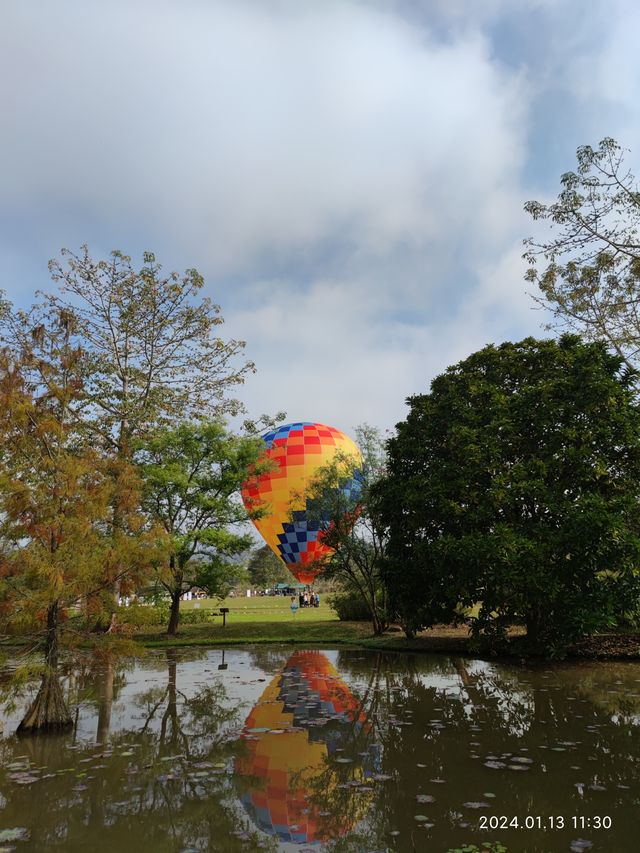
(263, 619)
(262, 609)
(292, 631)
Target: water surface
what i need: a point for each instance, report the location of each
(280, 749)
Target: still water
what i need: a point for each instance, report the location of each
(341, 751)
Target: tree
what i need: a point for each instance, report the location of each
(591, 277)
(351, 522)
(157, 355)
(153, 354)
(514, 484)
(192, 474)
(55, 498)
(266, 570)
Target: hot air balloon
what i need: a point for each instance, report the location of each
(295, 737)
(291, 527)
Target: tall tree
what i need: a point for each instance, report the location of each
(588, 269)
(514, 484)
(351, 522)
(192, 476)
(55, 502)
(154, 340)
(153, 355)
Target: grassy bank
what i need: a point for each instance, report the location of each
(269, 620)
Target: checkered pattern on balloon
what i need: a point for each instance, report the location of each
(291, 526)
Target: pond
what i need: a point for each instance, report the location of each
(299, 750)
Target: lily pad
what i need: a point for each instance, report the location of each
(425, 798)
(18, 833)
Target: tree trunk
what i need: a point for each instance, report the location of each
(49, 710)
(105, 702)
(534, 621)
(174, 616)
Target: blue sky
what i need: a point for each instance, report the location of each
(349, 176)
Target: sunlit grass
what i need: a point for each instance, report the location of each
(275, 608)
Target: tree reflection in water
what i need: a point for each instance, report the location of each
(365, 747)
(163, 783)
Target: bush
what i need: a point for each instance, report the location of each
(195, 617)
(144, 616)
(350, 606)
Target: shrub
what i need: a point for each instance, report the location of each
(144, 616)
(350, 606)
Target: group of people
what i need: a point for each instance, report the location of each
(305, 599)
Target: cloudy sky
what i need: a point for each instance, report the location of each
(349, 175)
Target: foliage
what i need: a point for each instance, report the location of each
(140, 616)
(156, 352)
(592, 273)
(514, 483)
(351, 523)
(192, 474)
(350, 606)
(152, 353)
(56, 494)
(266, 570)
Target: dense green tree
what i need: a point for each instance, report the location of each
(514, 484)
(588, 268)
(353, 526)
(266, 570)
(192, 476)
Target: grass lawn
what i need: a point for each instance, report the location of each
(262, 609)
(263, 619)
(293, 631)
(268, 619)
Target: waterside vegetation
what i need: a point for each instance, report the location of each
(502, 517)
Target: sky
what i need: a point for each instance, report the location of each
(348, 175)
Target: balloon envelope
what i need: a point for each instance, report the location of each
(290, 526)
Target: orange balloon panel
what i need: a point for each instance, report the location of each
(290, 734)
(297, 452)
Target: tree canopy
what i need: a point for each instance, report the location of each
(192, 476)
(588, 269)
(513, 486)
(266, 570)
(56, 493)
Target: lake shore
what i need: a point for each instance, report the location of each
(441, 639)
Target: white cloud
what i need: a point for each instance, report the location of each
(240, 130)
(347, 174)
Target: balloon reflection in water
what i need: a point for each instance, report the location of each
(294, 737)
